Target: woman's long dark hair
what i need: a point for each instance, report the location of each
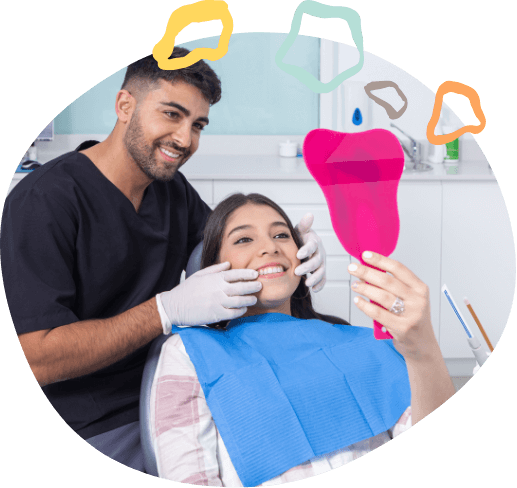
(301, 301)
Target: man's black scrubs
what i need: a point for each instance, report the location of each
(74, 248)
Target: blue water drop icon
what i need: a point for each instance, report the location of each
(357, 119)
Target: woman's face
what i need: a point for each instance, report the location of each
(257, 237)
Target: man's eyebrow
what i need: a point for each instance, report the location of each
(247, 226)
(181, 108)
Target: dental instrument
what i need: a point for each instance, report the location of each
(480, 354)
(471, 310)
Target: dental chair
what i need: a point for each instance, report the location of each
(193, 265)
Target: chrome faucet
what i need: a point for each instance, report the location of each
(414, 152)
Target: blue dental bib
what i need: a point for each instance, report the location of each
(283, 390)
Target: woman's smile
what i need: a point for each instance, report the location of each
(271, 276)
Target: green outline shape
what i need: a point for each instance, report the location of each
(324, 12)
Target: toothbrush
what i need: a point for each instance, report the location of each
(480, 354)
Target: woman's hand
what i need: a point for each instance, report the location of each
(412, 331)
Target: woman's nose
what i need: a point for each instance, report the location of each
(270, 246)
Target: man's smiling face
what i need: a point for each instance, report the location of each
(165, 127)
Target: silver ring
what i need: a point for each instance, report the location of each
(398, 307)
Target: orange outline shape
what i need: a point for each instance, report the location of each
(475, 103)
(202, 11)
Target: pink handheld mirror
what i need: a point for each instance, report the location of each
(359, 174)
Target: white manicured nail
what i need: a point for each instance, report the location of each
(367, 254)
(356, 299)
(352, 267)
(384, 329)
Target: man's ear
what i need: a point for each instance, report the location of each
(125, 105)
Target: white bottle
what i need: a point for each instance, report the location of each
(288, 149)
(439, 151)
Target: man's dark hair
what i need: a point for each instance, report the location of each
(145, 73)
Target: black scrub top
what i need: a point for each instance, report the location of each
(74, 248)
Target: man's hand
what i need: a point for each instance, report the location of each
(212, 294)
(313, 247)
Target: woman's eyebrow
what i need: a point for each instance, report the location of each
(247, 226)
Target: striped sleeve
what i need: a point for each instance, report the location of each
(403, 424)
(184, 433)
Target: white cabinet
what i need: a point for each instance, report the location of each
(205, 190)
(478, 262)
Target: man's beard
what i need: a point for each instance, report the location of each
(144, 155)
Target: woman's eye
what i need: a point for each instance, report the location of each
(200, 126)
(172, 114)
(242, 240)
(282, 234)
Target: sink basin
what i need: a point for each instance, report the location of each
(410, 167)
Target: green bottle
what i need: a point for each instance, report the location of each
(453, 147)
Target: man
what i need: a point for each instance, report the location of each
(99, 237)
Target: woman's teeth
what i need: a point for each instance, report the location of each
(275, 269)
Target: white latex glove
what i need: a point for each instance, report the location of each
(313, 246)
(208, 296)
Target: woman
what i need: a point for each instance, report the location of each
(240, 366)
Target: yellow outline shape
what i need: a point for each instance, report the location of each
(475, 103)
(202, 11)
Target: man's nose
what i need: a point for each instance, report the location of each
(182, 135)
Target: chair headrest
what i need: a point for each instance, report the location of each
(194, 262)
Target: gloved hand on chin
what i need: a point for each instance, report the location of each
(212, 294)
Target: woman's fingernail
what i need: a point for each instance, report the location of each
(356, 299)
(352, 267)
(367, 255)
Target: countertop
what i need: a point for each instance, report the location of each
(220, 167)
(234, 167)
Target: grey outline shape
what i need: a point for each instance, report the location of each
(377, 85)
